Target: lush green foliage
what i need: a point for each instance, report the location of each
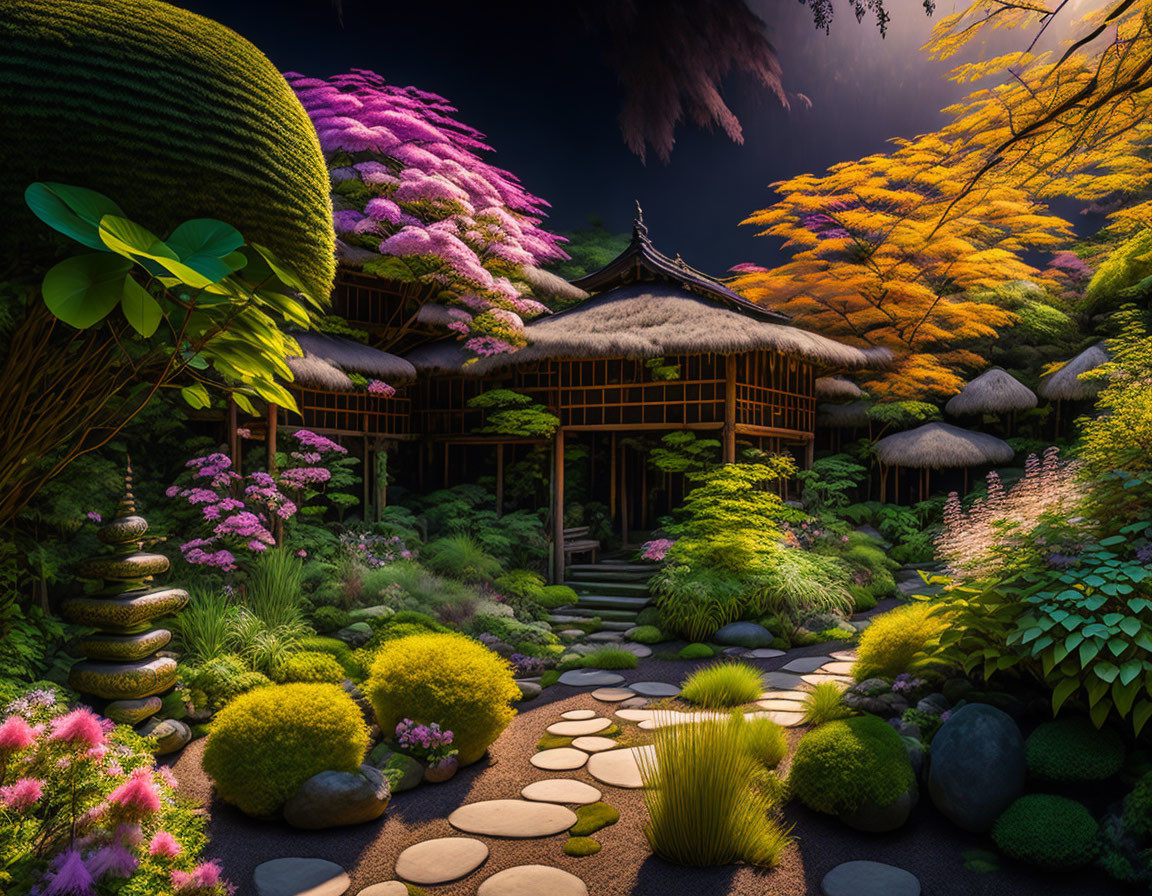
(267, 742)
(308, 666)
(905, 639)
(448, 679)
(1138, 807)
(646, 634)
(683, 451)
(554, 596)
(274, 593)
(460, 556)
(696, 651)
(1069, 750)
(609, 658)
(513, 414)
(764, 741)
(203, 629)
(823, 704)
(723, 685)
(708, 798)
(336, 649)
(695, 602)
(845, 765)
(1050, 832)
(218, 681)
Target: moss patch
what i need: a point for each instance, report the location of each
(581, 846)
(592, 818)
(552, 741)
(549, 678)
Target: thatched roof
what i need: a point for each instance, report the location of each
(837, 388)
(1065, 384)
(549, 287)
(995, 391)
(940, 445)
(649, 320)
(843, 416)
(327, 360)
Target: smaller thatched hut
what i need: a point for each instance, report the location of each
(1065, 384)
(937, 446)
(837, 388)
(327, 360)
(853, 415)
(995, 391)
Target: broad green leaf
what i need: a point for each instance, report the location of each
(1096, 688)
(142, 311)
(1113, 540)
(1140, 716)
(283, 272)
(1106, 671)
(205, 236)
(1124, 695)
(196, 395)
(1062, 692)
(1130, 671)
(1099, 713)
(84, 289)
(129, 239)
(1130, 626)
(1117, 645)
(73, 211)
(243, 403)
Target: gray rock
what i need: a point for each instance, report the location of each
(934, 704)
(869, 879)
(529, 690)
(977, 766)
(300, 877)
(956, 689)
(735, 651)
(878, 819)
(744, 634)
(171, 735)
(403, 772)
(355, 635)
(872, 687)
(372, 612)
(337, 799)
(916, 753)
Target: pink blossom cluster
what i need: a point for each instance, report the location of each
(381, 388)
(657, 549)
(427, 742)
(375, 550)
(425, 192)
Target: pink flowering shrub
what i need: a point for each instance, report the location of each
(409, 182)
(656, 549)
(428, 743)
(375, 550)
(83, 810)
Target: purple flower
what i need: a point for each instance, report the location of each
(94, 516)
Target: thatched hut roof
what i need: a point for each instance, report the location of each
(649, 320)
(940, 445)
(843, 416)
(1065, 384)
(995, 391)
(547, 286)
(837, 388)
(327, 360)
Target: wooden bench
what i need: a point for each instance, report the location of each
(576, 541)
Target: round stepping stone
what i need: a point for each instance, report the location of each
(793, 696)
(561, 790)
(590, 678)
(606, 637)
(576, 729)
(805, 664)
(594, 744)
(388, 888)
(512, 818)
(864, 878)
(654, 689)
(531, 880)
(634, 703)
(641, 651)
(578, 715)
(440, 861)
(735, 651)
(820, 678)
(300, 877)
(613, 695)
(764, 653)
(634, 715)
(786, 719)
(839, 667)
(780, 705)
(784, 680)
(619, 768)
(561, 759)
(663, 718)
(848, 655)
(571, 633)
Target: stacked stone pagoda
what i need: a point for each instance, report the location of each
(121, 663)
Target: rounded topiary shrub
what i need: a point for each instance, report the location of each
(905, 639)
(646, 634)
(309, 665)
(845, 765)
(445, 678)
(1138, 808)
(266, 743)
(696, 651)
(1074, 750)
(1050, 832)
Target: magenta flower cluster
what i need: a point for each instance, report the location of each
(657, 549)
(375, 550)
(425, 742)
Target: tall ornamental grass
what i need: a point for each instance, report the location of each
(723, 685)
(275, 592)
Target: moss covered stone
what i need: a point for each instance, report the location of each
(581, 846)
(593, 817)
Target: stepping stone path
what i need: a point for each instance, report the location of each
(606, 637)
(512, 818)
(530, 880)
(654, 689)
(634, 715)
(619, 768)
(641, 651)
(805, 664)
(869, 879)
(785, 719)
(590, 678)
(634, 703)
(576, 729)
(561, 759)
(777, 705)
(794, 696)
(594, 744)
(784, 680)
(613, 695)
(442, 860)
(388, 888)
(820, 677)
(764, 653)
(838, 667)
(849, 655)
(578, 715)
(300, 877)
(561, 790)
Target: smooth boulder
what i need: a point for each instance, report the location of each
(977, 766)
(336, 799)
(744, 634)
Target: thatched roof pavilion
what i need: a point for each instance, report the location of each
(837, 388)
(852, 415)
(937, 446)
(327, 360)
(1065, 384)
(995, 391)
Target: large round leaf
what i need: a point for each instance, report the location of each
(129, 239)
(205, 236)
(74, 211)
(143, 311)
(84, 289)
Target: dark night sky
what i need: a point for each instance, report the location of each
(537, 86)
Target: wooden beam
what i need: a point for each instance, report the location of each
(366, 470)
(499, 479)
(729, 431)
(558, 508)
(624, 492)
(612, 479)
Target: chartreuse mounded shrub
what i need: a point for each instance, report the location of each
(723, 685)
(696, 651)
(308, 665)
(170, 114)
(905, 639)
(555, 596)
(1074, 749)
(448, 679)
(460, 556)
(1050, 832)
(646, 634)
(266, 743)
(845, 765)
(765, 742)
(337, 649)
(330, 619)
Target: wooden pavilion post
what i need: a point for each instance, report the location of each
(366, 469)
(612, 479)
(499, 479)
(729, 433)
(271, 438)
(558, 508)
(624, 493)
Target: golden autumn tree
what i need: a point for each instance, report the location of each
(887, 252)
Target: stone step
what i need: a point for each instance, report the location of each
(613, 625)
(576, 611)
(616, 566)
(624, 589)
(613, 602)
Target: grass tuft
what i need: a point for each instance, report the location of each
(723, 685)
(824, 705)
(609, 658)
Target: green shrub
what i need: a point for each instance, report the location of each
(237, 144)
(266, 743)
(650, 615)
(460, 556)
(1074, 749)
(765, 741)
(553, 597)
(696, 651)
(412, 617)
(610, 658)
(522, 584)
(807, 639)
(847, 764)
(330, 619)
(222, 679)
(203, 629)
(392, 633)
(905, 639)
(823, 704)
(593, 817)
(723, 685)
(695, 603)
(510, 631)
(448, 679)
(705, 800)
(1050, 832)
(864, 599)
(308, 665)
(646, 634)
(275, 590)
(1138, 807)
